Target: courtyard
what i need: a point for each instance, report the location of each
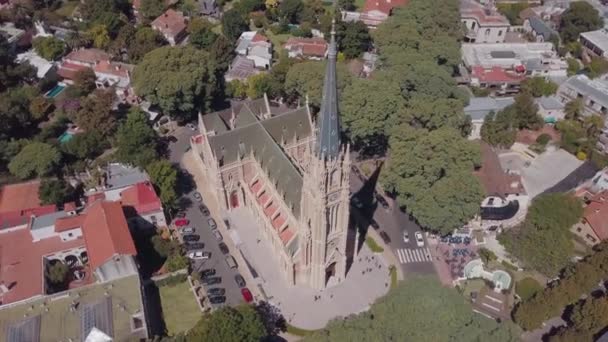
(180, 310)
(303, 307)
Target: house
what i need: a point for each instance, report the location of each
(479, 107)
(594, 185)
(18, 202)
(172, 25)
(550, 13)
(593, 227)
(550, 108)
(43, 67)
(593, 94)
(240, 69)
(11, 33)
(483, 24)
(595, 43)
(309, 48)
(256, 47)
(539, 30)
(497, 79)
(374, 12)
(208, 8)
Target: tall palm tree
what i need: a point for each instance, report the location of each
(75, 39)
(574, 109)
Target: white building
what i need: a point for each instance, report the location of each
(593, 93)
(550, 108)
(595, 42)
(43, 67)
(483, 24)
(256, 47)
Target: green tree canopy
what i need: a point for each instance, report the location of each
(57, 273)
(201, 34)
(291, 10)
(242, 323)
(179, 79)
(137, 42)
(421, 300)
(15, 115)
(164, 177)
(538, 86)
(95, 112)
(306, 79)
(151, 9)
(233, 24)
(49, 48)
(136, 141)
(36, 159)
(54, 191)
(84, 82)
(353, 38)
(579, 17)
(85, 146)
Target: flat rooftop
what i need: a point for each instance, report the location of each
(598, 38)
(59, 323)
(505, 55)
(120, 175)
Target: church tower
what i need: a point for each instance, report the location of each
(325, 191)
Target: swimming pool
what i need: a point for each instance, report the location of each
(65, 137)
(55, 91)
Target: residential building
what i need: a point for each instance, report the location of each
(256, 47)
(172, 25)
(208, 8)
(309, 48)
(497, 79)
(483, 24)
(595, 43)
(479, 107)
(293, 177)
(595, 185)
(538, 29)
(550, 12)
(43, 67)
(374, 12)
(593, 227)
(18, 202)
(593, 94)
(12, 34)
(550, 108)
(240, 69)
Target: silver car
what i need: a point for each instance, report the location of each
(187, 230)
(218, 235)
(212, 223)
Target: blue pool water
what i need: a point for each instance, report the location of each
(65, 137)
(55, 91)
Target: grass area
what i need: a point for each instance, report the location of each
(509, 266)
(359, 4)
(373, 245)
(217, 29)
(278, 39)
(180, 310)
(527, 288)
(393, 274)
(299, 331)
(473, 285)
(67, 8)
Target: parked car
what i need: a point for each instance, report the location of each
(187, 230)
(172, 139)
(208, 272)
(385, 237)
(191, 126)
(199, 255)
(239, 280)
(419, 239)
(217, 299)
(212, 223)
(197, 196)
(223, 248)
(181, 222)
(374, 224)
(216, 291)
(211, 280)
(180, 214)
(231, 262)
(406, 237)
(382, 201)
(204, 210)
(190, 246)
(191, 237)
(218, 235)
(247, 296)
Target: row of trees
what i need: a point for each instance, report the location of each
(587, 319)
(577, 279)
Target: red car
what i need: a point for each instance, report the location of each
(247, 296)
(181, 222)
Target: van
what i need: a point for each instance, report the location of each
(231, 262)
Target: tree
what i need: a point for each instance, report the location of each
(76, 39)
(54, 191)
(95, 112)
(12, 73)
(486, 255)
(538, 86)
(353, 38)
(597, 67)
(15, 115)
(136, 141)
(164, 247)
(574, 109)
(429, 113)
(145, 40)
(84, 82)
(233, 24)
(151, 9)
(178, 79)
(201, 35)
(258, 85)
(420, 299)
(241, 323)
(85, 146)
(526, 112)
(36, 159)
(49, 48)
(220, 53)
(573, 66)
(579, 17)
(346, 5)
(291, 10)
(527, 288)
(247, 6)
(306, 79)
(99, 36)
(57, 273)
(39, 107)
(164, 178)
(177, 261)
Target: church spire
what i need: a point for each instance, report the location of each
(329, 128)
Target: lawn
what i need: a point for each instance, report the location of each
(393, 273)
(298, 331)
(278, 39)
(373, 245)
(359, 4)
(180, 310)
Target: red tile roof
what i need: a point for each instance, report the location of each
(21, 263)
(384, 6)
(69, 70)
(493, 178)
(88, 56)
(477, 11)
(20, 201)
(141, 197)
(106, 233)
(258, 37)
(596, 214)
(495, 75)
(113, 68)
(310, 46)
(71, 222)
(170, 23)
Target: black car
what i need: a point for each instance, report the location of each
(191, 237)
(197, 196)
(194, 245)
(374, 224)
(385, 237)
(240, 281)
(217, 299)
(382, 201)
(181, 214)
(211, 280)
(204, 210)
(224, 248)
(216, 291)
(208, 272)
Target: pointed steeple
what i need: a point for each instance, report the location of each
(329, 128)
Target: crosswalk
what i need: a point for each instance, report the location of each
(407, 255)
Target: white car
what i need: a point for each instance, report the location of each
(188, 230)
(419, 239)
(199, 255)
(406, 237)
(191, 126)
(218, 235)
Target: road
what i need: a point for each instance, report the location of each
(199, 222)
(394, 222)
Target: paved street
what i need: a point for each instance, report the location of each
(394, 222)
(199, 222)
